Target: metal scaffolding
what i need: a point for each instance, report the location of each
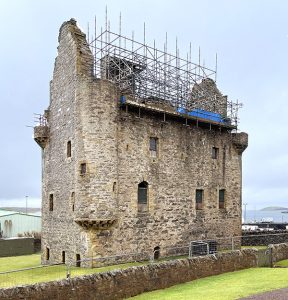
(145, 73)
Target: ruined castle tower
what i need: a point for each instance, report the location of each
(124, 174)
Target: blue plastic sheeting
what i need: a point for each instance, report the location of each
(181, 110)
(204, 114)
(123, 99)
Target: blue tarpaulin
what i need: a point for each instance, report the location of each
(204, 114)
(122, 99)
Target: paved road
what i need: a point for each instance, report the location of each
(281, 294)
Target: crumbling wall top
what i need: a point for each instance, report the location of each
(84, 57)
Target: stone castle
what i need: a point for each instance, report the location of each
(127, 176)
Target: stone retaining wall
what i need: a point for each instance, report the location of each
(136, 280)
(279, 252)
(266, 238)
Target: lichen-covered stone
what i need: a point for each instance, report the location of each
(94, 190)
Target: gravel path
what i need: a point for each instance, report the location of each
(281, 294)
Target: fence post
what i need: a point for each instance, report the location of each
(68, 273)
(270, 249)
(152, 258)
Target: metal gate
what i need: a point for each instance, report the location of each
(264, 257)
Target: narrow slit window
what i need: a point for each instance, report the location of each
(78, 260)
(73, 200)
(69, 149)
(221, 198)
(215, 152)
(199, 199)
(83, 169)
(47, 253)
(51, 202)
(153, 145)
(63, 257)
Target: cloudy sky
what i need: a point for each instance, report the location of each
(249, 36)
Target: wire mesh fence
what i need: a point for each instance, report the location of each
(91, 265)
(32, 275)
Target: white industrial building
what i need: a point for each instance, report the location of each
(13, 223)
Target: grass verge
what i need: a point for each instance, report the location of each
(226, 286)
(282, 263)
(44, 273)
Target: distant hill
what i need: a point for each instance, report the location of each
(30, 210)
(271, 208)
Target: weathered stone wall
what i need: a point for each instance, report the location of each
(133, 281)
(206, 96)
(279, 252)
(264, 237)
(96, 213)
(59, 231)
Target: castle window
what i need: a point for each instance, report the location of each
(114, 186)
(83, 169)
(78, 260)
(199, 199)
(73, 200)
(153, 146)
(47, 253)
(63, 257)
(156, 252)
(51, 200)
(222, 198)
(69, 149)
(142, 196)
(215, 152)
(142, 192)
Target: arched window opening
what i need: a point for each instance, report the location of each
(142, 192)
(156, 252)
(142, 196)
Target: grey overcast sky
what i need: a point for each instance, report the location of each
(250, 37)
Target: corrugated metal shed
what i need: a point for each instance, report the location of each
(13, 223)
(4, 212)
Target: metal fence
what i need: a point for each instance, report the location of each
(32, 275)
(93, 265)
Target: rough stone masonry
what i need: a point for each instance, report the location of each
(117, 181)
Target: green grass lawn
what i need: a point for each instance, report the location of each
(43, 274)
(226, 286)
(19, 262)
(282, 263)
(257, 247)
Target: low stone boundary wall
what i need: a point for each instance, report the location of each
(279, 252)
(258, 238)
(136, 280)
